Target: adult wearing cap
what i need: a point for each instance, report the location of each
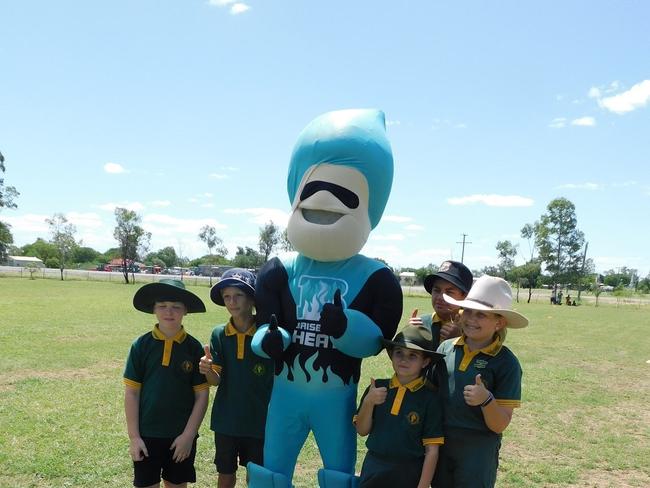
(484, 385)
(166, 396)
(244, 378)
(454, 279)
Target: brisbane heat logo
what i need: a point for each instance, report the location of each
(315, 291)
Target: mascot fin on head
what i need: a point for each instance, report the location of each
(321, 311)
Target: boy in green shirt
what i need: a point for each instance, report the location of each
(403, 416)
(244, 379)
(166, 396)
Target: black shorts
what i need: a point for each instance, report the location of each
(229, 448)
(160, 461)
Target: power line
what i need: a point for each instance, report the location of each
(462, 256)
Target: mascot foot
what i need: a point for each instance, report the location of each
(336, 479)
(260, 477)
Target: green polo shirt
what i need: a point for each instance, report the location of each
(409, 419)
(166, 371)
(500, 372)
(239, 407)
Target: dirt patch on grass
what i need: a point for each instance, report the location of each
(613, 479)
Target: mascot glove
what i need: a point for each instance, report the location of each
(332, 318)
(272, 341)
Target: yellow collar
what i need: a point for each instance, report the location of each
(412, 386)
(231, 330)
(491, 349)
(178, 338)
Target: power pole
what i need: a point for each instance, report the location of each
(462, 255)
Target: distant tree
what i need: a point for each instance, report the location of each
(130, 236)
(507, 251)
(7, 195)
(63, 238)
(422, 273)
(84, 255)
(208, 234)
(40, 249)
(167, 255)
(559, 241)
(269, 239)
(527, 275)
(247, 258)
(487, 270)
(6, 240)
(112, 253)
(621, 277)
(285, 244)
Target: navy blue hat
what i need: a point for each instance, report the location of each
(237, 277)
(455, 273)
(166, 290)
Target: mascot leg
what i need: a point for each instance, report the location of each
(331, 418)
(260, 477)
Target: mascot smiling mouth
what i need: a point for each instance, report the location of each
(320, 217)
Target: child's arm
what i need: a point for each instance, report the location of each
(182, 445)
(374, 396)
(429, 465)
(206, 367)
(497, 417)
(137, 447)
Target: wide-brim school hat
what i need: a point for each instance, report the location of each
(454, 272)
(491, 294)
(237, 277)
(166, 290)
(414, 337)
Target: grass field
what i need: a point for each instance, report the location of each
(584, 421)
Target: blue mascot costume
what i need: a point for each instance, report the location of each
(323, 310)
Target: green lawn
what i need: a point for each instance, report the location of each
(584, 421)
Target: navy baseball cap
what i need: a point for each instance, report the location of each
(237, 277)
(455, 273)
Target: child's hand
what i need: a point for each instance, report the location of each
(414, 319)
(205, 363)
(448, 330)
(477, 393)
(376, 396)
(138, 449)
(182, 447)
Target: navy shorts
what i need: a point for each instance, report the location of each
(160, 461)
(229, 448)
(379, 472)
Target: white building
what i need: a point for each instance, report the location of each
(24, 261)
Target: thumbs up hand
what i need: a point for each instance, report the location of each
(272, 343)
(476, 394)
(376, 395)
(332, 318)
(205, 363)
(415, 319)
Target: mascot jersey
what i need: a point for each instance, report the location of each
(332, 305)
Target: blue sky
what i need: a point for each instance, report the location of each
(187, 110)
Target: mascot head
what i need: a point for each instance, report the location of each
(339, 180)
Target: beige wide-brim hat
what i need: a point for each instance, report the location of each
(491, 294)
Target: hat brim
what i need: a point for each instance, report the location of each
(215, 292)
(514, 319)
(429, 279)
(145, 298)
(411, 345)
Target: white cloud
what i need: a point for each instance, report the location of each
(636, 97)
(387, 237)
(414, 227)
(594, 92)
(160, 203)
(239, 8)
(220, 3)
(581, 186)
(584, 122)
(218, 176)
(207, 205)
(392, 122)
(166, 225)
(85, 220)
(623, 184)
(27, 223)
(492, 200)
(262, 216)
(135, 206)
(557, 123)
(114, 168)
(396, 218)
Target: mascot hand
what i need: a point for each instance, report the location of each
(272, 341)
(332, 319)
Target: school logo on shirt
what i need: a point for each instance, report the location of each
(480, 364)
(187, 366)
(413, 418)
(259, 369)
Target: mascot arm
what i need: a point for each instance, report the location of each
(364, 330)
(270, 341)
